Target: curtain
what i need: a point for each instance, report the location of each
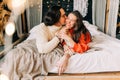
(33, 16)
(34, 13)
(82, 6)
(112, 19)
(98, 13)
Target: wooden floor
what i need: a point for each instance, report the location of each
(92, 76)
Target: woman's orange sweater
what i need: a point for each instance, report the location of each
(82, 45)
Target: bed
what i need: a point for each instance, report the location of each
(104, 56)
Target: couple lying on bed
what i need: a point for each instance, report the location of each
(74, 38)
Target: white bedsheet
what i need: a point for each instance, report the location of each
(104, 55)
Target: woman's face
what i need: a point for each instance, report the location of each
(70, 21)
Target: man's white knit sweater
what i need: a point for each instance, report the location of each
(45, 37)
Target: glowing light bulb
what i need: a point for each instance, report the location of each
(10, 28)
(18, 3)
(3, 77)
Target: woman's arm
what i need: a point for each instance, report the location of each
(62, 63)
(68, 50)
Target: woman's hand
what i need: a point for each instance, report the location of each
(62, 63)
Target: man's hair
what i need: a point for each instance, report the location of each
(52, 16)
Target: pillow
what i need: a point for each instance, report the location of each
(92, 28)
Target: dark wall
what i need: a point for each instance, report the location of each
(66, 4)
(118, 24)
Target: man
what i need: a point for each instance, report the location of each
(44, 34)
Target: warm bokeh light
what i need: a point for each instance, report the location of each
(19, 6)
(10, 28)
(16, 4)
(3, 77)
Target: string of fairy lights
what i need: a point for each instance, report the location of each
(66, 4)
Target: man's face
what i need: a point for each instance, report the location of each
(63, 17)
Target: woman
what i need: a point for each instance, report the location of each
(76, 37)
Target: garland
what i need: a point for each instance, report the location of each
(82, 6)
